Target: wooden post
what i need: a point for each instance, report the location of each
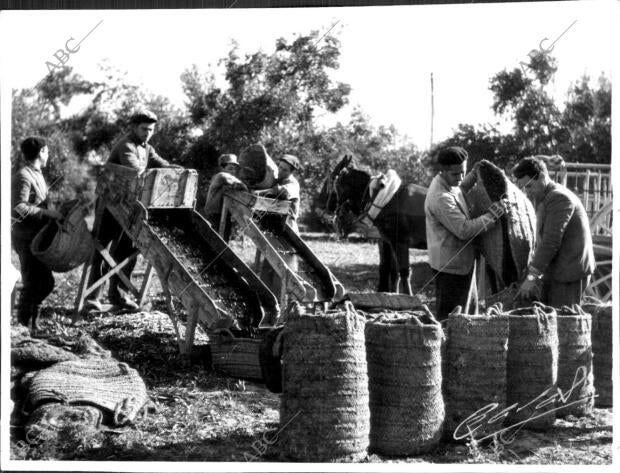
(146, 282)
(597, 190)
(586, 193)
(86, 270)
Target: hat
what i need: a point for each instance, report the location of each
(31, 147)
(290, 160)
(143, 116)
(452, 155)
(228, 159)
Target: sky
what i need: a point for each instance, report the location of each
(387, 53)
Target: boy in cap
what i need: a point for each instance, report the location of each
(29, 215)
(132, 150)
(287, 187)
(450, 230)
(229, 170)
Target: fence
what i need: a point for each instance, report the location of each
(591, 183)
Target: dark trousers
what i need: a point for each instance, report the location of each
(122, 247)
(37, 280)
(450, 290)
(558, 294)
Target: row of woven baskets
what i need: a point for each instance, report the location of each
(352, 385)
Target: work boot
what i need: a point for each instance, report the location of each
(121, 300)
(124, 302)
(36, 326)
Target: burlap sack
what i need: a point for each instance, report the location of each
(509, 245)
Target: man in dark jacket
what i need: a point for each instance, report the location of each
(29, 216)
(132, 150)
(564, 257)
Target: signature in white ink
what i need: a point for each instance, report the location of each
(549, 397)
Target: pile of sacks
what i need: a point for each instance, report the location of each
(67, 382)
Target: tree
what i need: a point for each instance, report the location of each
(579, 133)
(270, 98)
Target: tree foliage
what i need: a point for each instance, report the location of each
(579, 133)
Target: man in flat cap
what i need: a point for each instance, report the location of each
(226, 178)
(563, 260)
(132, 150)
(450, 230)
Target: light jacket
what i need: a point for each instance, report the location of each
(449, 230)
(28, 198)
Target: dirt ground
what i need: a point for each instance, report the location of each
(201, 415)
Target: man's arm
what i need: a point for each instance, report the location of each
(21, 194)
(558, 212)
(126, 155)
(450, 215)
(155, 160)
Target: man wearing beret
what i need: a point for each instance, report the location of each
(227, 177)
(29, 215)
(563, 259)
(132, 150)
(450, 230)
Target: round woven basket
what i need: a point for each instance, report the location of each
(532, 365)
(324, 405)
(404, 376)
(475, 374)
(235, 356)
(64, 246)
(602, 350)
(575, 377)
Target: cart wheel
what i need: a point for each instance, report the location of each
(601, 226)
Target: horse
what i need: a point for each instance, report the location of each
(401, 222)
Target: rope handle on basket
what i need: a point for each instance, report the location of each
(224, 333)
(495, 310)
(121, 410)
(592, 300)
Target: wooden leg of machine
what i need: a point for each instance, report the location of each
(172, 315)
(146, 282)
(86, 270)
(190, 329)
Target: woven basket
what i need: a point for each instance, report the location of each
(475, 376)
(404, 379)
(602, 350)
(63, 247)
(107, 384)
(235, 356)
(508, 245)
(324, 412)
(506, 297)
(46, 422)
(575, 377)
(532, 364)
(34, 353)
